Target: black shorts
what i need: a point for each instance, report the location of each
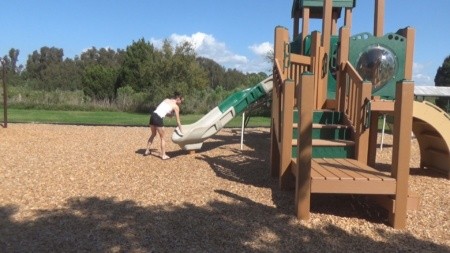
(155, 120)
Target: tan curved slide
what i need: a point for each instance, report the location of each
(431, 126)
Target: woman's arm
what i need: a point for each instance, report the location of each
(176, 109)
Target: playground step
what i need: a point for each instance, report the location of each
(323, 117)
(327, 132)
(348, 176)
(328, 148)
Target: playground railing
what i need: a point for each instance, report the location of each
(287, 70)
(298, 64)
(357, 93)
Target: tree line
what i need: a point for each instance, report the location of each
(133, 79)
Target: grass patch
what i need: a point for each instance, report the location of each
(111, 118)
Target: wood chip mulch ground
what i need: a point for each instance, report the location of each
(91, 189)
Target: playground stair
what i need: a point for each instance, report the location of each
(333, 167)
(330, 137)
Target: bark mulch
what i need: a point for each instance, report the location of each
(91, 189)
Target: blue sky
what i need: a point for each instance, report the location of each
(236, 34)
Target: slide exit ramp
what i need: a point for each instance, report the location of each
(431, 126)
(195, 134)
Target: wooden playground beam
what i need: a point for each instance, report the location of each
(348, 18)
(334, 28)
(296, 28)
(326, 24)
(409, 33)
(378, 28)
(305, 24)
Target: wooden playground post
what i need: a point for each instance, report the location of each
(373, 138)
(403, 111)
(274, 133)
(315, 65)
(341, 83)
(281, 37)
(304, 142)
(362, 142)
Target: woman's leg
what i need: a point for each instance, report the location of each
(163, 143)
(150, 139)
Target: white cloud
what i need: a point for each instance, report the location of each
(262, 49)
(421, 75)
(206, 45)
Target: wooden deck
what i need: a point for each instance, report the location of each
(348, 176)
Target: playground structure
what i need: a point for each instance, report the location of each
(328, 93)
(195, 134)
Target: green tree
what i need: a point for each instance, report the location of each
(234, 79)
(14, 56)
(179, 69)
(139, 69)
(442, 78)
(254, 78)
(214, 72)
(38, 62)
(100, 68)
(98, 82)
(160, 72)
(51, 71)
(104, 56)
(12, 70)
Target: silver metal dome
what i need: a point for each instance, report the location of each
(378, 65)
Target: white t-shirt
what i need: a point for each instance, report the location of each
(163, 108)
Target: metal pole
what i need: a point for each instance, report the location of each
(5, 97)
(242, 130)
(382, 132)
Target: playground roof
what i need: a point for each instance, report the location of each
(316, 7)
(432, 91)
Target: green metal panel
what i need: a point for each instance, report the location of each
(296, 45)
(241, 99)
(316, 7)
(328, 152)
(332, 62)
(327, 117)
(392, 42)
(326, 133)
(323, 117)
(319, 3)
(332, 67)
